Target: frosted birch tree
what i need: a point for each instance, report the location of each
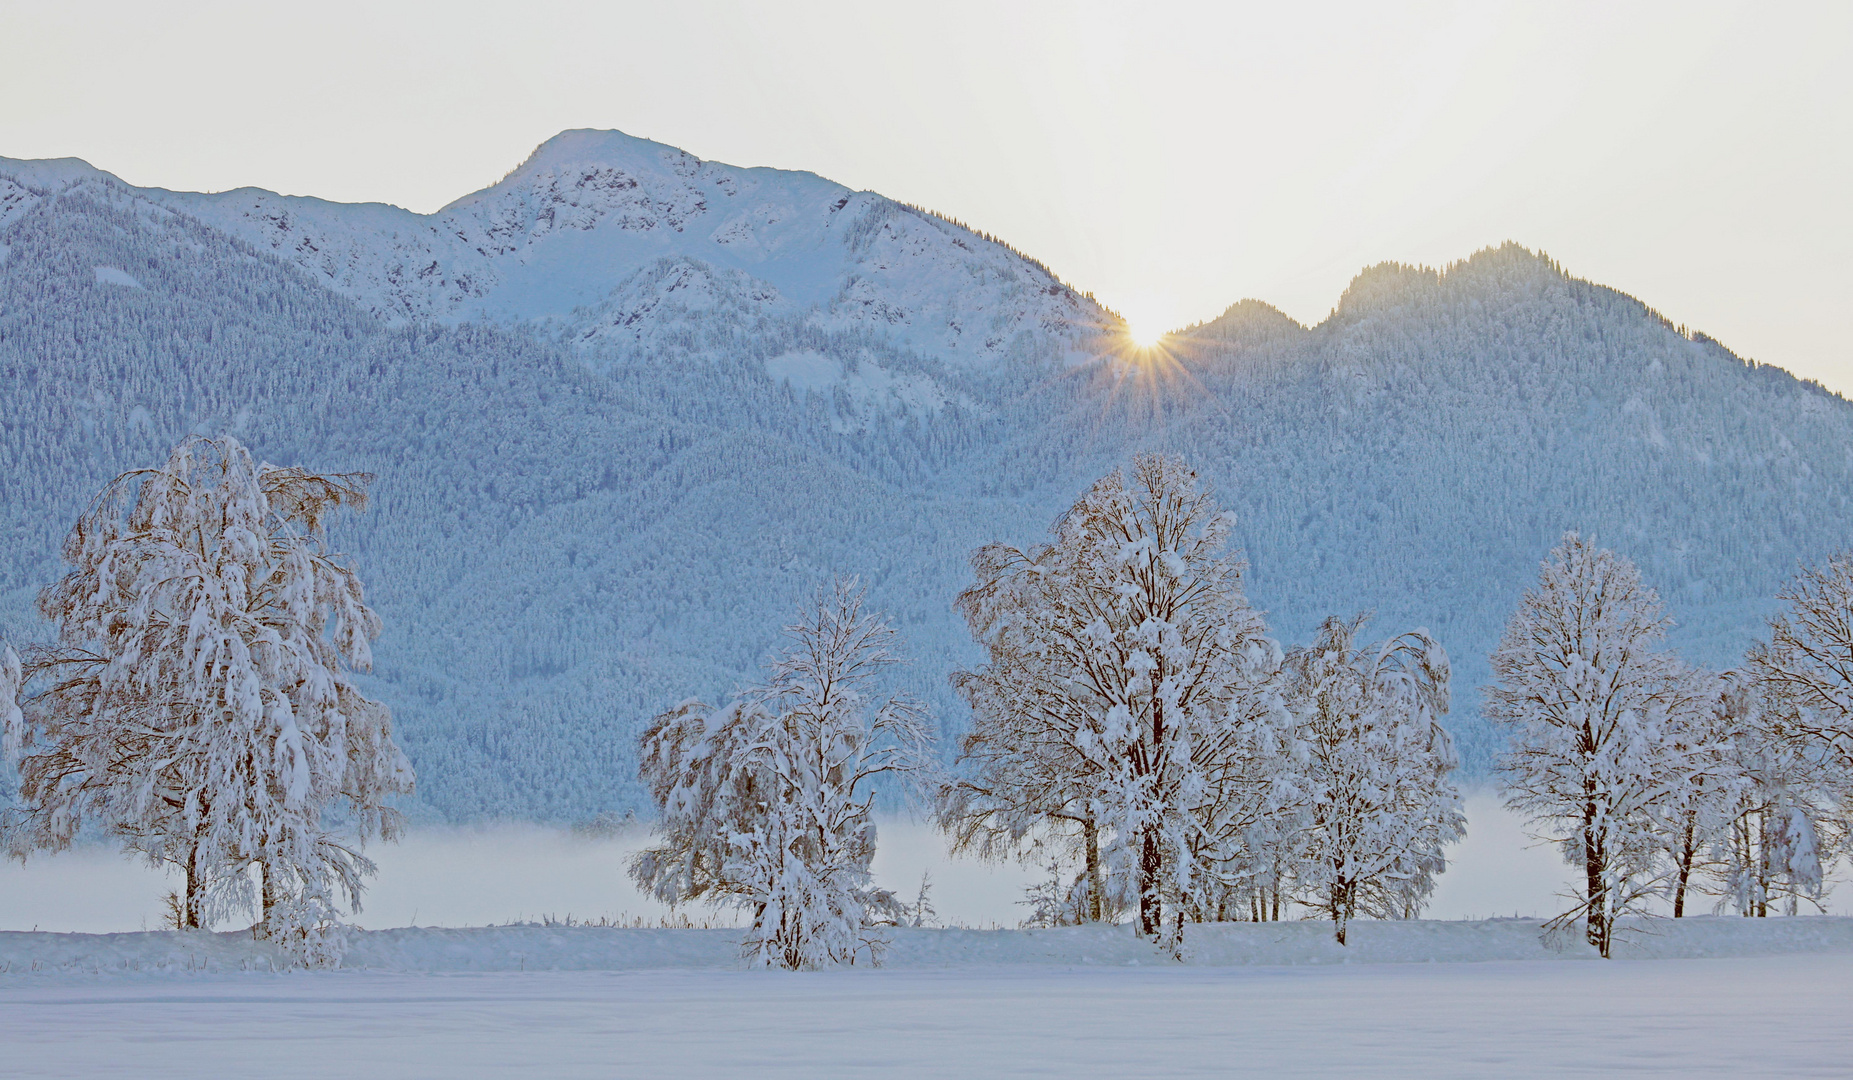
(766, 802)
(199, 703)
(1130, 691)
(1379, 803)
(1599, 716)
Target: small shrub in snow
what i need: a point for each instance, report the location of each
(1066, 898)
(921, 913)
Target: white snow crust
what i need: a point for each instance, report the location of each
(1764, 1017)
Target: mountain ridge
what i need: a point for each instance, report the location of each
(588, 209)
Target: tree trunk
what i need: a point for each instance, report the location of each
(1686, 855)
(1596, 911)
(1762, 866)
(269, 897)
(1341, 911)
(195, 889)
(1151, 914)
(1096, 889)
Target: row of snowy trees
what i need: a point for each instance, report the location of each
(1658, 778)
(1134, 711)
(1133, 715)
(1135, 719)
(199, 704)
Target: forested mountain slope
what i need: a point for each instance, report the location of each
(583, 516)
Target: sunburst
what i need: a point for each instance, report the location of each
(1144, 334)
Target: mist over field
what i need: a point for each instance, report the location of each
(497, 874)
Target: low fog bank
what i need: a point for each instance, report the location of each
(514, 873)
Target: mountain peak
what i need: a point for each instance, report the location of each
(1249, 321)
(577, 147)
(1391, 284)
(51, 172)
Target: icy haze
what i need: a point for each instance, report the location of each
(626, 407)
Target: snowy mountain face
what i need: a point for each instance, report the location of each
(599, 233)
(643, 405)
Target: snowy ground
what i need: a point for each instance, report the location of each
(534, 948)
(1438, 998)
(1767, 1017)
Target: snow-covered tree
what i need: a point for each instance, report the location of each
(1600, 719)
(1772, 820)
(1808, 661)
(1700, 802)
(765, 803)
(1130, 691)
(1026, 787)
(1378, 801)
(199, 703)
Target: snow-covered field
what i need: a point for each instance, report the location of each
(1764, 1017)
(1455, 995)
(535, 948)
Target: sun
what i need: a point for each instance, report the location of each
(1144, 334)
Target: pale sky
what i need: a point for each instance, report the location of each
(1172, 158)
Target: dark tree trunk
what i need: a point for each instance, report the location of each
(1151, 861)
(1686, 856)
(1596, 920)
(195, 890)
(1151, 913)
(1341, 910)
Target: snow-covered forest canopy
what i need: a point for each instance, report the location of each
(673, 397)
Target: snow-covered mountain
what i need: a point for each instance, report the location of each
(599, 233)
(629, 419)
